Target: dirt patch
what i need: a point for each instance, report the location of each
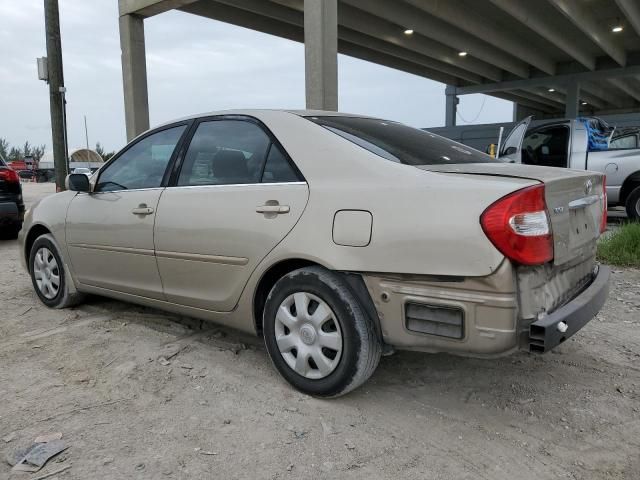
(142, 394)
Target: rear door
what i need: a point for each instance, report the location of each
(236, 196)
(110, 230)
(511, 148)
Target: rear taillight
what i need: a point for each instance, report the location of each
(518, 225)
(603, 220)
(9, 175)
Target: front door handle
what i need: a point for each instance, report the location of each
(277, 209)
(142, 209)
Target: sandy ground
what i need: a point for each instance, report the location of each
(219, 410)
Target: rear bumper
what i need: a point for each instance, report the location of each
(555, 328)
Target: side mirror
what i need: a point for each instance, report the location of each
(510, 151)
(77, 182)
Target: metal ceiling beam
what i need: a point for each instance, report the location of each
(539, 97)
(370, 31)
(608, 94)
(149, 8)
(371, 25)
(627, 87)
(545, 81)
(364, 22)
(516, 98)
(270, 25)
(631, 10)
(455, 14)
(576, 11)
(534, 19)
(402, 14)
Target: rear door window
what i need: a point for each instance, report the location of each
(628, 141)
(400, 143)
(225, 152)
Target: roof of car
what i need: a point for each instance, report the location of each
(258, 111)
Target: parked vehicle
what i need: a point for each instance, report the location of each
(11, 202)
(84, 171)
(335, 237)
(565, 144)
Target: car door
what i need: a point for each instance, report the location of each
(110, 230)
(511, 148)
(235, 197)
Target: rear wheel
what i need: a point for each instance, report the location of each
(318, 335)
(633, 205)
(48, 274)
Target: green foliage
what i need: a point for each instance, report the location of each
(621, 247)
(12, 154)
(105, 155)
(4, 148)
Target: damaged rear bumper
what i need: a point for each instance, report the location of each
(553, 329)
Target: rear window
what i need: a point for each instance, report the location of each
(400, 143)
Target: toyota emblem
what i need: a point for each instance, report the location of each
(588, 187)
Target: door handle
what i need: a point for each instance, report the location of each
(142, 209)
(277, 209)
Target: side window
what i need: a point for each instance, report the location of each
(629, 141)
(277, 168)
(224, 152)
(143, 164)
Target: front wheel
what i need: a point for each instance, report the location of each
(48, 274)
(633, 205)
(318, 335)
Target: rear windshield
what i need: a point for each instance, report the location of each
(400, 143)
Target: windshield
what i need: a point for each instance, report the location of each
(400, 143)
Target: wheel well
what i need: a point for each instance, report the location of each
(268, 280)
(630, 183)
(35, 232)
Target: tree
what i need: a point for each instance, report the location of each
(26, 150)
(37, 152)
(105, 155)
(4, 148)
(14, 155)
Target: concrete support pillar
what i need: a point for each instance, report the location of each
(451, 106)
(514, 115)
(134, 75)
(321, 54)
(572, 105)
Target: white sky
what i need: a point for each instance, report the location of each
(193, 65)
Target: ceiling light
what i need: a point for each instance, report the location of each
(551, 90)
(584, 103)
(462, 54)
(408, 31)
(617, 29)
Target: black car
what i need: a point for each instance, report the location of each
(11, 202)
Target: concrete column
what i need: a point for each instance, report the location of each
(572, 105)
(321, 54)
(134, 75)
(451, 106)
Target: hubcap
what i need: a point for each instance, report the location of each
(46, 273)
(308, 335)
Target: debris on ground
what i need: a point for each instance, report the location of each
(34, 457)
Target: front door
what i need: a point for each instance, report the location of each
(110, 230)
(236, 197)
(510, 151)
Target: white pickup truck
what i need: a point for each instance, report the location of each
(565, 144)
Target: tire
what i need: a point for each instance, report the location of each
(10, 232)
(335, 333)
(633, 205)
(46, 266)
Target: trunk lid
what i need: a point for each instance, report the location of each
(574, 202)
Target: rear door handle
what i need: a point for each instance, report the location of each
(278, 209)
(142, 209)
